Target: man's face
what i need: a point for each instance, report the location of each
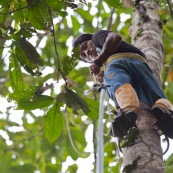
(88, 51)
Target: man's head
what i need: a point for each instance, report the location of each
(87, 49)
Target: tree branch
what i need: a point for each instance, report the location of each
(110, 19)
(55, 47)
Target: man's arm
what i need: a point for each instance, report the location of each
(111, 44)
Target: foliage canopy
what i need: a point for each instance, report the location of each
(37, 68)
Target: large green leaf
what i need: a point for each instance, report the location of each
(94, 108)
(114, 3)
(169, 164)
(75, 22)
(73, 168)
(74, 101)
(38, 14)
(38, 101)
(68, 64)
(4, 9)
(20, 15)
(26, 31)
(26, 57)
(56, 5)
(16, 78)
(53, 123)
(26, 93)
(31, 52)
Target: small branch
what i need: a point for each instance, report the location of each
(110, 19)
(54, 39)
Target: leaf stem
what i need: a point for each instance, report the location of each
(71, 140)
(110, 19)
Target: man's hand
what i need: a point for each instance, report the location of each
(94, 69)
(99, 77)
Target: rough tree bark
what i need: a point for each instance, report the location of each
(146, 35)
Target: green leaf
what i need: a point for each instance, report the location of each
(27, 168)
(16, 78)
(169, 164)
(76, 52)
(73, 168)
(4, 9)
(53, 123)
(21, 53)
(114, 3)
(56, 5)
(75, 22)
(74, 101)
(26, 93)
(169, 90)
(31, 52)
(38, 101)
(94, 108)
(69, 64)
(20, 15)
(38, 14)
(26, 31)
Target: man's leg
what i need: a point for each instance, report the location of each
(129, 105)
(163, 112)
(125, 97)
(162, 109)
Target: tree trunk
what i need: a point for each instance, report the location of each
(146, 35)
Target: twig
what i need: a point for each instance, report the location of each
(54, 39)
(110, 19)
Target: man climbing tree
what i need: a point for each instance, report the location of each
(53, 24)
(129, 79)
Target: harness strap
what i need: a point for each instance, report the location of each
(128, 55)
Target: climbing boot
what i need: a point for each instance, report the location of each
(163, 112)
(129, 106)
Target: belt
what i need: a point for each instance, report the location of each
(127, 55)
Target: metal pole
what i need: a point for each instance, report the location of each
(100, 137)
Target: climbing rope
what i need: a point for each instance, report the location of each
(100, 131)
(100, 136)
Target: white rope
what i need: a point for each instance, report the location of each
(100, 132)
(100, 136)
